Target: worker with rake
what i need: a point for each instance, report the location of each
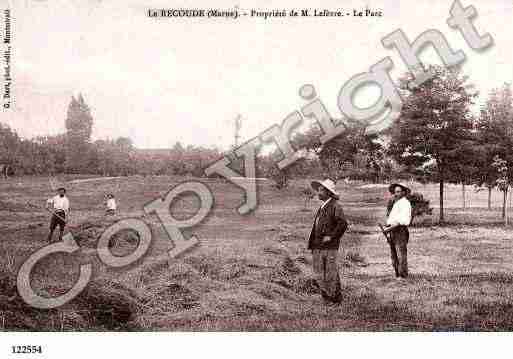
(324, 241)
(396, 229)
(59, 205)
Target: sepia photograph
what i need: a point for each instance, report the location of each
(236, 167)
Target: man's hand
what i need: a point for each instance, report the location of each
(388, 228)
(326, 239)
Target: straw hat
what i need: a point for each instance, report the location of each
(328, 184)
(392, 187)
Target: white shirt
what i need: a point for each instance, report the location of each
(325, 202)
(59, 203)
(400, 213)
(111, 203)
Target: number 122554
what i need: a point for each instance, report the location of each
(27, 349)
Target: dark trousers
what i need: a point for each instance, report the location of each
(326, 271)
(398, 250)
(58, 219)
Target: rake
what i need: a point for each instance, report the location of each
(48, 210)
(383, 231)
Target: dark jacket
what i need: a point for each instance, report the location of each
(330, 222)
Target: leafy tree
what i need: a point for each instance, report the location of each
(354, 153)
(9, 145)
(503, 182)
(79, 125)
(466, 170)
(52, 153)
(352, 150)
(113, 157)
(280, 177)
(494, 137)
(435, 121)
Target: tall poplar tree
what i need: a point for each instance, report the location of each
(79, 126)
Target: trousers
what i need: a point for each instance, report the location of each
(399, 251)
(325, 268)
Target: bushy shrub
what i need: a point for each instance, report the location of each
(279, 177)
(420, 205)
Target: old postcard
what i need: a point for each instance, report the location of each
(254, 166)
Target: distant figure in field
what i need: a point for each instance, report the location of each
(398, 219)
(59, 205)
(324, 240)
(111, 204)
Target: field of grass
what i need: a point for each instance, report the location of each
(253, 272)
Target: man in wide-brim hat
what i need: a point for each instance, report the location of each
(324, 240)
(398, 219)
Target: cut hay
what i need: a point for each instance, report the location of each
(88, 233)
(290, 236)
(154, 278)
(356, 259)
(308, 286)
(274, 291)
(240, 302)
(110, 305)
(16, 315)
(207, 287)
(170, 297)
(217, 268)
(274, 249)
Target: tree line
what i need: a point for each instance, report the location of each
(73, 152)
(436, 139)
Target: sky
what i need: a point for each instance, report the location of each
(159, 81)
